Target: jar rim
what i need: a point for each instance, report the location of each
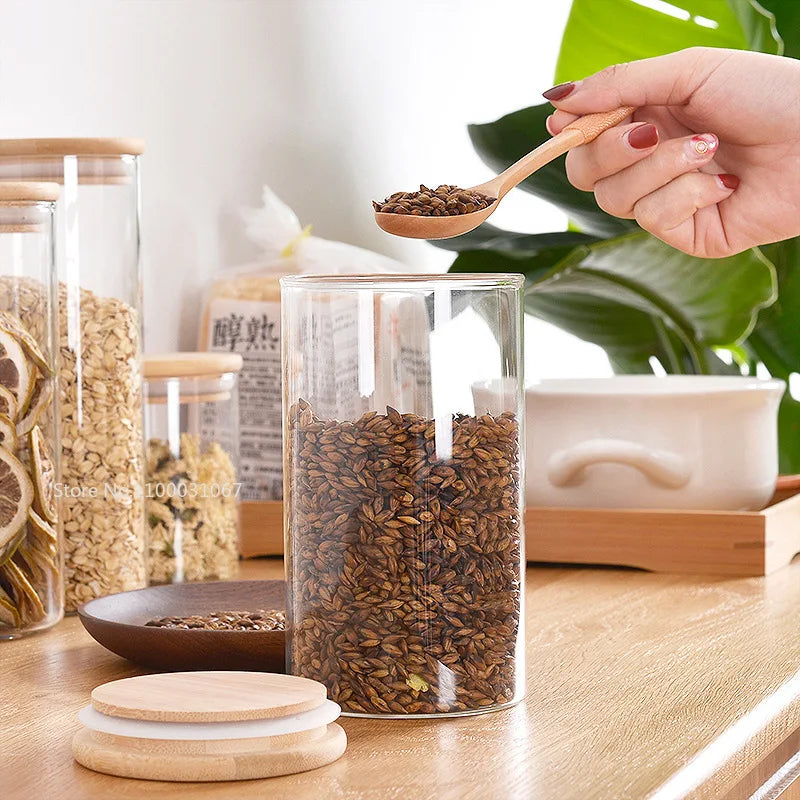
(402, 282)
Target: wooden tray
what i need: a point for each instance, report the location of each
(261, 528)
(689, 542)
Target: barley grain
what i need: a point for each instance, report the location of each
(405, 568)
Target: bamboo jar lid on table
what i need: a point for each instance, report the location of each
(209, 726)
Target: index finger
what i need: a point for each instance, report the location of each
(664, 80)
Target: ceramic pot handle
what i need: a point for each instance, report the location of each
(568, 467)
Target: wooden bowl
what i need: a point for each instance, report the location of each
(118, 623)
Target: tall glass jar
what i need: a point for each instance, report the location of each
(30, 553)
(403, 519)
(100, 386)
(192, 490)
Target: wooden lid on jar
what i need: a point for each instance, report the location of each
(85, 146)
(100, 161)
(18, 199)
(28, 192)
(190, 365)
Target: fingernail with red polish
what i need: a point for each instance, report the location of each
(643, 137)
(559, 92)
(728, 181)
(703, 144)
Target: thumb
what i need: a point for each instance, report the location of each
(664, 80)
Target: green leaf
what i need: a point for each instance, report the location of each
(705, 301)
(759, 26)
(502, 142)
(532, 267)
(776, 343)
(789, 435)
(787, 19)
(628, 336)
(776, 339)
(488, 237)
(599, 34)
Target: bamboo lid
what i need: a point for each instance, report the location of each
(208, 696)
(209, 726)
(190, 365)
(84, 146)
(24, 192)
(247, 760)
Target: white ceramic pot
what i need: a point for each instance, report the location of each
(640, 441)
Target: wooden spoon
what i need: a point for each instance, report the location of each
(582, 131)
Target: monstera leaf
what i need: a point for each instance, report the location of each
(786, 15)
(633, 31)
(488, 237)
(637, 297)
(776, 339)
(776, 343)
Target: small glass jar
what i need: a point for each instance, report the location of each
(192, 489)
(30, 548)
(403, 450)
(100, 386)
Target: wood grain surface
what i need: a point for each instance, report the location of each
(639, 685)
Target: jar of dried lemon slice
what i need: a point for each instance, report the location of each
(31, 596)
(99, 355)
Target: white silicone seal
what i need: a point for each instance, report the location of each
(200, 731)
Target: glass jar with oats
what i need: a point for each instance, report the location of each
(192, 490)
(30, 551)
(99, 344)
(402, 493)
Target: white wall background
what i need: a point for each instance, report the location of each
(331, 102)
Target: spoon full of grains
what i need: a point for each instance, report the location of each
(450, 211)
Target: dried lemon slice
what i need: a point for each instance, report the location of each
(8, 433)
(15, 372)
(26, 599)
(43, 473)
(43, 534)
(8, 403)
(40, 400)
(16, 496)
(12, 545)
(36, 563)
(9, 616)
(11, 324)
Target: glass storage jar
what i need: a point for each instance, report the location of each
(100, 386)
(30, 554)
(192, 489)
(402, 500)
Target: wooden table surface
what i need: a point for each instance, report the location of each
(639, 685)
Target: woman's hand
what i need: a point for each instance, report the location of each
(710, 160)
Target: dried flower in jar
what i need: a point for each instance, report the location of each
(191, 511)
